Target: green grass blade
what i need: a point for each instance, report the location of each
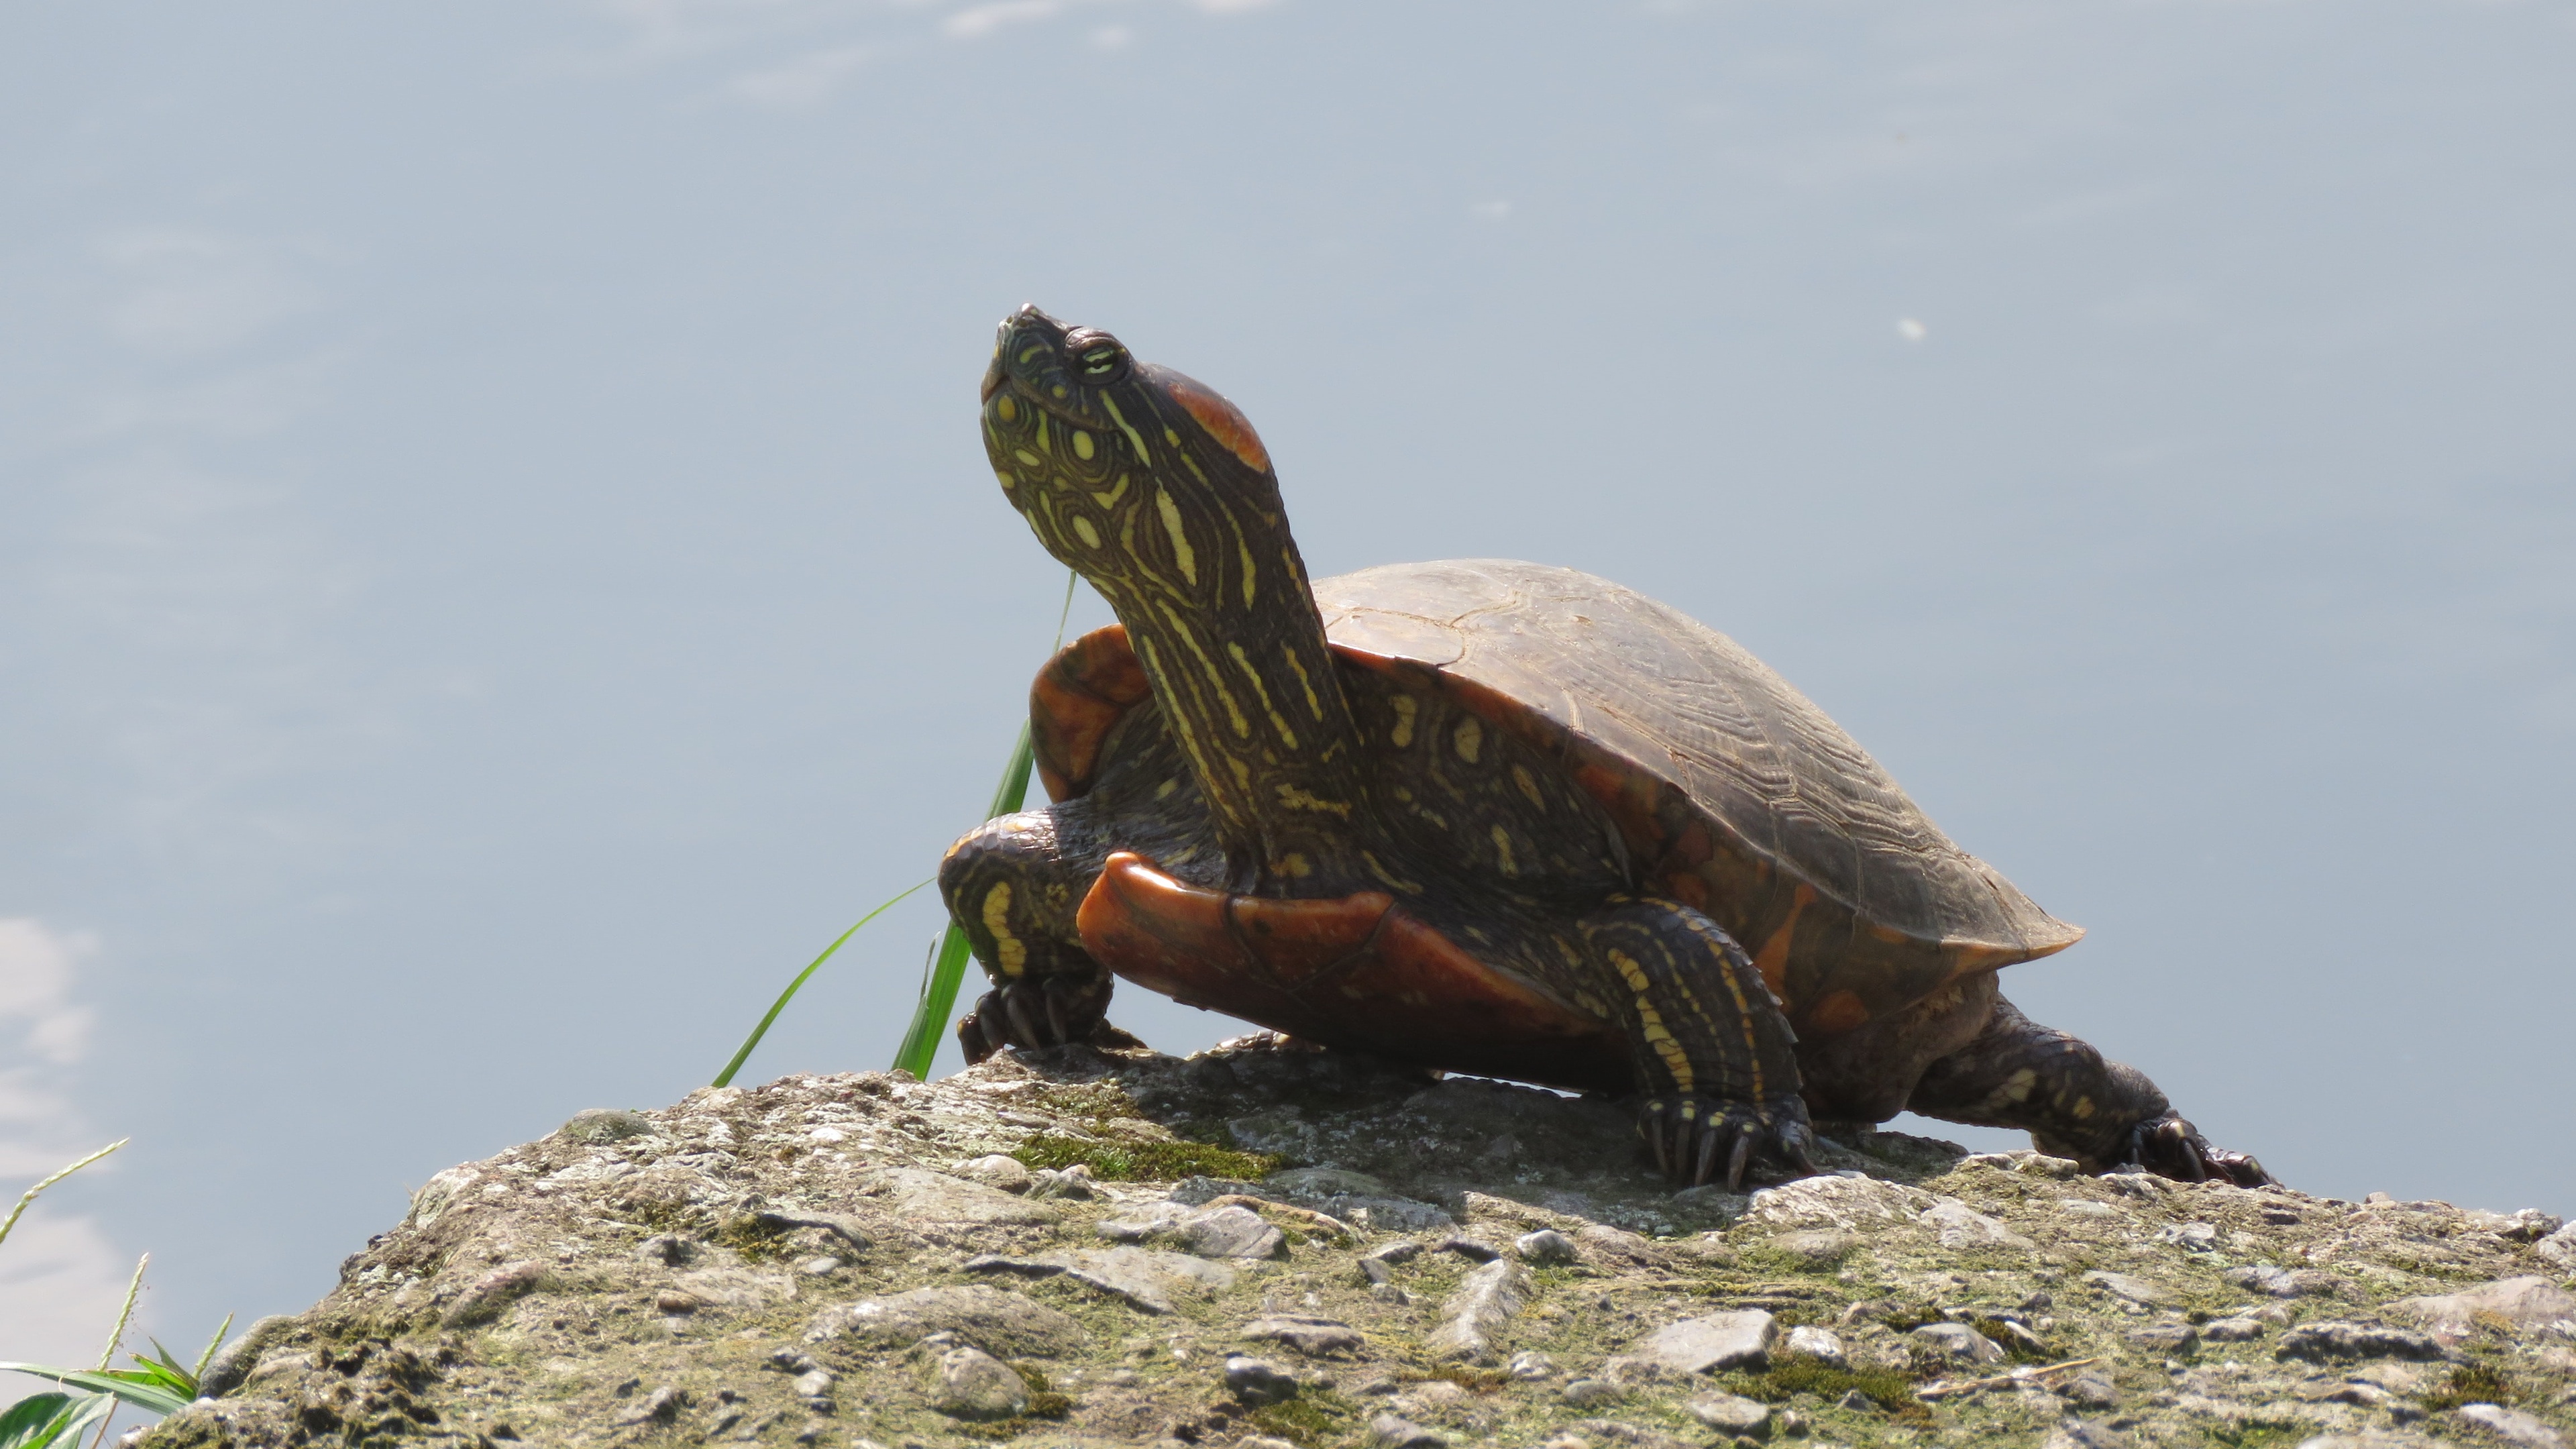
(725, 1077)
(134, 1388)
(34, 1420)
(930, 1016)
(29, 1195)
(216, 1342)
(939, 995)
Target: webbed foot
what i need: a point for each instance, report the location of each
(2168, 1146)
(1035, 1013)
(1695, 1136)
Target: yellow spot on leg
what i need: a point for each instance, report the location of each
(1082, 446)
(1082, 527)
(1503, 851)
(1011, 952)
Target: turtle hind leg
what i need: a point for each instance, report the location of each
(1012, 885)
(2073, 1101)
(1715, 1057)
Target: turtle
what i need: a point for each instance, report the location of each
(1478, 816)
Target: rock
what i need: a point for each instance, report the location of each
(1326, 1182)
(2091, 1389)
(2526, 1304)
(1072, 1183)
(1817, 1248)
(606, 1124)
(972, 1384)
(936, 1197)
(1391, 1432)
(1306, 1334)
(2171, 1340)
(997, 1171)
(2190, 1237)
(1473, 1250)
(2527, 1225)
(1740, 1339)
(1545, 1248)
(483, 1301)
(2559, 1248)
(1257, 1381)
(2277, 1282)
(1231, 1232)
(1591, 1393)
(1958, 1225)
(1848, 1203)
(2332, 1342)
(1731, 1414)
(997, 1321)
(1145, 1278)
(2136, 1290)
(1485, 1302)
(1958, 1343)
(2512, 1426)
(1820, 1344)
(720, 1206)
(232, 1363)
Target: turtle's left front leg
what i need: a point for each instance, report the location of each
(1714, 1055)
(2073, 1101)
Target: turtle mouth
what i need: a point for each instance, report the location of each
(992, 378)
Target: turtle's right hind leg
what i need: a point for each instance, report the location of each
(1013, 885)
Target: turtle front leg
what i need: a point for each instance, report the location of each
(2073, 1101)
(1013, 885)
(1714, 1055)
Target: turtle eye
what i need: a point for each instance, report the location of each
(1097, 356)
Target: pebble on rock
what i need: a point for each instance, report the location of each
(1547, 1247)
(1958, 1342)
(1532, 1366)
(2513, 1426)
(1258, 1381)
(1741, 1339)
(1587, 1393)
(975, 1385)
(1821, 1344)
(1487, 1300)
(2333, 1341)
(1731, 1413)
(1392, 1432)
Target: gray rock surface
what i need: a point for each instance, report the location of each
(810, 1262)
(1714, 1341)
(1475, 1316)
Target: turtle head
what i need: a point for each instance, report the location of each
(1143, 480)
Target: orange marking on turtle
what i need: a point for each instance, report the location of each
(1838, 1013)
(1077, 698)
(1222, 419)
(1300, 940)
(1772, 960)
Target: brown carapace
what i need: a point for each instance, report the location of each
(1483, 816)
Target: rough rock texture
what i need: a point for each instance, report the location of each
(1266, 1246)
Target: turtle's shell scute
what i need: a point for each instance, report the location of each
(1729, 783)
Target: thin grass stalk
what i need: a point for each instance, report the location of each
(29, 1195)
(931, 1015)
(124, 1315)
(725, 1077)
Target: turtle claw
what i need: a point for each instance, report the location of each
(1693, 1137)
(2171, 1147)
(1035, 1013)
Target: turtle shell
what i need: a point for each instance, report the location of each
(1735, 793)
